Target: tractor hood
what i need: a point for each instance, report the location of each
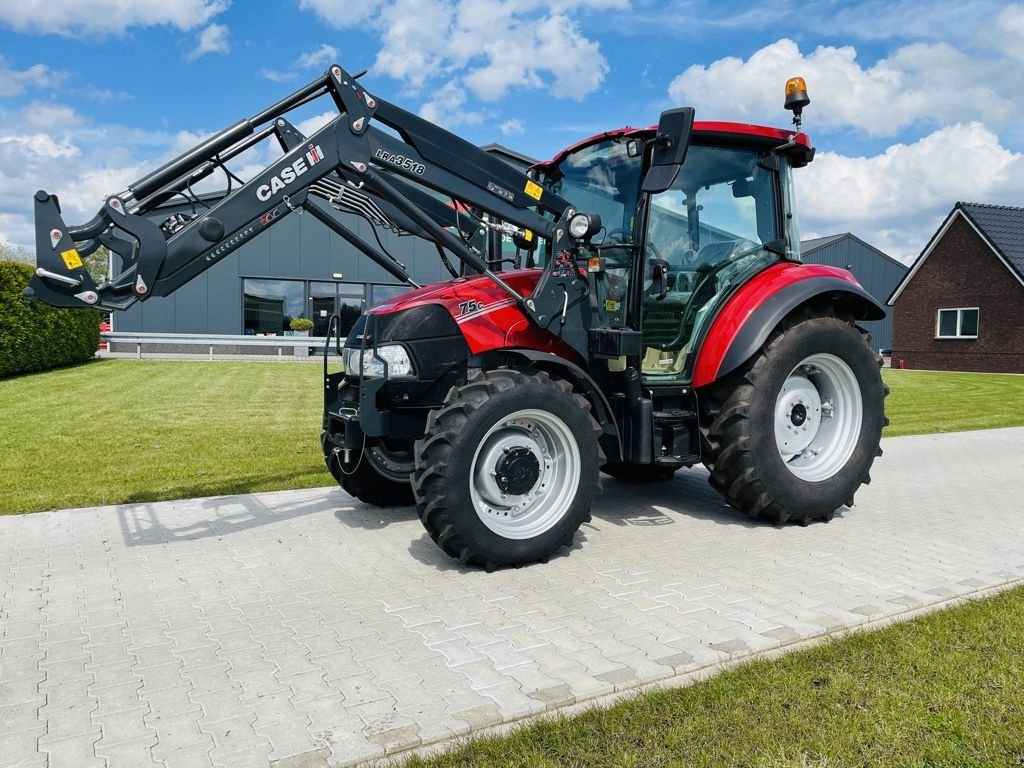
(486, 316)
(463, 296)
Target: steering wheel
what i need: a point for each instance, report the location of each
(613, 238)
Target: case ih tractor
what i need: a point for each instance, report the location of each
(655, 316)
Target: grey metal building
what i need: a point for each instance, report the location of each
(876, 271)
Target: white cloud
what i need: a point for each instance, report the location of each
(512, 127)
(311, 125)
(342, 13)
(52, 147)
(895, 200)
(213, 39)
(923, 82)
(278, 76)
(38, 144)
(15, 81)
(447, 108)
(318, 58)
(1008, 31)
(75, 18)
(493, 45)
(39, 116)
(900, 19)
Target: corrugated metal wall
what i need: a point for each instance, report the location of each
(877, 272)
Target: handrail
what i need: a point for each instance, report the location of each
(212, 340)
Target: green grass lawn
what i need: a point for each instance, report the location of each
(943, 690)
(116, 431)
(923, 402)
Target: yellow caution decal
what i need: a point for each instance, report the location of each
(534, 190)
(71, 258)
(528, 235)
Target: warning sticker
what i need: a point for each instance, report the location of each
(534, 190)
(71, 258)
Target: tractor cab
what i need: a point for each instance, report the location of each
(667, 259)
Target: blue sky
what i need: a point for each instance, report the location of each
(914, 104)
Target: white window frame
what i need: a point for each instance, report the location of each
(959, 321)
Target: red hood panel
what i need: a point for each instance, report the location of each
(455, 292)
(487, 316)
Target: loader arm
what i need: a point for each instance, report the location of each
(385, 171)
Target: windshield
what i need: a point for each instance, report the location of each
(721, 202)
(602, 178)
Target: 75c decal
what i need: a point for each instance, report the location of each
(401, 161)
(467, 307)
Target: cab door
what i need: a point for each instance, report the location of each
(716, 223)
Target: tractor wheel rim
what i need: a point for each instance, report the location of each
(546, 460)
(818, 417)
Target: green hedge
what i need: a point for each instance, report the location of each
(37, 337)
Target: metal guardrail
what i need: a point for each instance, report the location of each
(214, 340)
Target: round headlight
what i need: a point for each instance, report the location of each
(579, 226)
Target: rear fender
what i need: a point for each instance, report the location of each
(747, 318)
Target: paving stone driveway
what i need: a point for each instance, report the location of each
(306, 628)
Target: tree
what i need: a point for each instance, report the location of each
(96, 262)
(10, 252)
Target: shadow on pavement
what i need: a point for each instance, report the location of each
(188, 520)
(373, 518)
(622, 503)
(662, 502)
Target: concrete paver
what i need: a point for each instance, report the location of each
(305, 628)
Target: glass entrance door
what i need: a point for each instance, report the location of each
(323, 299)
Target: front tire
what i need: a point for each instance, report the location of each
(507, 469)
(793, 433)
(378, 475)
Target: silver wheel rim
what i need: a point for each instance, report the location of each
(528, 436)
(818, 417)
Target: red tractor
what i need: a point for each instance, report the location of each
(656, 315)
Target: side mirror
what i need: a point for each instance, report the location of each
(742, 188)
(659, 274)
(670, 145)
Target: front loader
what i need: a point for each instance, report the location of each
(659, 316)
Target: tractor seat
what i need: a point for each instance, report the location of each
(662, 319)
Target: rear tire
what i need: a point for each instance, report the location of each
(793, 433)
(379, 476)
(507, 469)
(638, 473)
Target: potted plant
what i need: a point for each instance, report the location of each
(301, 326)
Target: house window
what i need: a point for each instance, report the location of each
(957, 324)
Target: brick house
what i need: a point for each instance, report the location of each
(961, 305)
